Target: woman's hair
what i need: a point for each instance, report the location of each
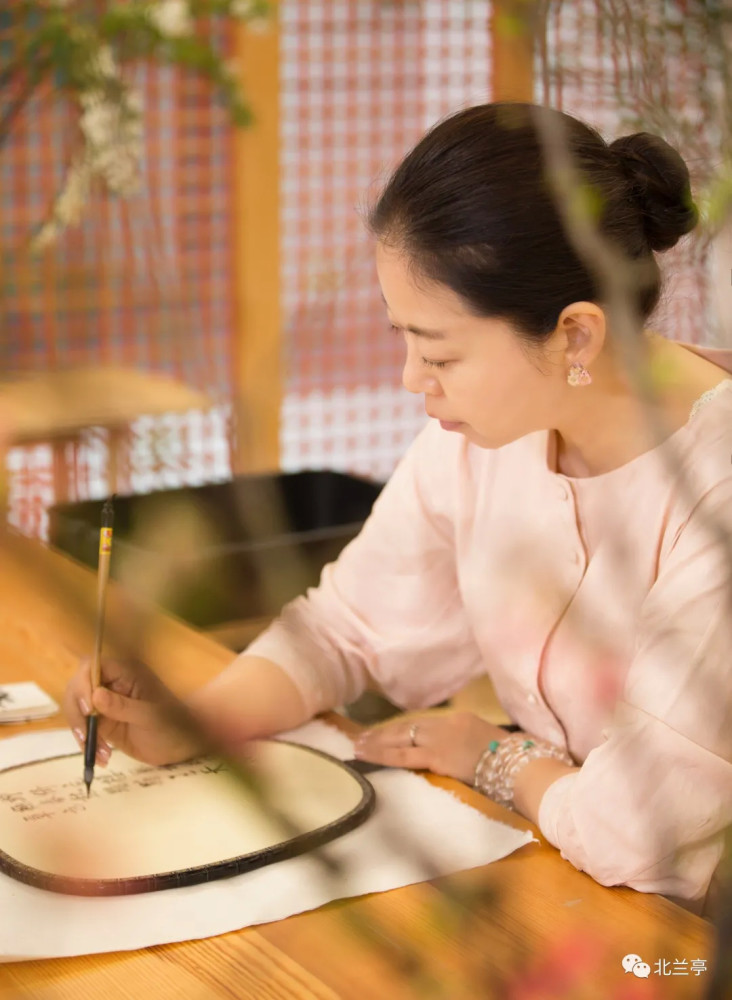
(472, 207)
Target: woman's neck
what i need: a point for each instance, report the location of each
(612, 425)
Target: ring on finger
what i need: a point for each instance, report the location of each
(413, 734)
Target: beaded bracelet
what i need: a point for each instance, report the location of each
(501, 761)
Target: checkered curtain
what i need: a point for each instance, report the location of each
(640, 73)
(144, 282)
(361, 80)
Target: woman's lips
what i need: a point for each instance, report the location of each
(450, 425)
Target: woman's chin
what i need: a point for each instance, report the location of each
(484, 440)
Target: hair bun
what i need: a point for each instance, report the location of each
(660, 182)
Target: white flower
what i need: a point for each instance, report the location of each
(113, 133)
(104, 63)
(103, 68)
(100, 123)
(46, 237)
(171, 17)
(69, 204)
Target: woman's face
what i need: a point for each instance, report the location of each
(477, 377)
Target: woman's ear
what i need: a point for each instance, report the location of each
(582, 328)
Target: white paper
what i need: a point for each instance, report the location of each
(23, 701)
(417, 832)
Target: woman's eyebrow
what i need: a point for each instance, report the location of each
(428, 334)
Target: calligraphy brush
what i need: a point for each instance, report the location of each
(92, 720)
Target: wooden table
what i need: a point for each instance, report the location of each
(527, 927)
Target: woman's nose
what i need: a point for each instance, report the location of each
(415, 379)
(409, 378)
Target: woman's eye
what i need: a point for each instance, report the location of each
(425, 361)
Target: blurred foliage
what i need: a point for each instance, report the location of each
(81, 48)
(670, 75)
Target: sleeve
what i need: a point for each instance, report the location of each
(388, 613)
(649, 807)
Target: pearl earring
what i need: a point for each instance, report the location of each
(578, 375)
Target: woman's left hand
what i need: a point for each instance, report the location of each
(446, 743)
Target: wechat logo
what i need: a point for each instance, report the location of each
(636, 965)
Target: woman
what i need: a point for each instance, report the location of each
(535, 530)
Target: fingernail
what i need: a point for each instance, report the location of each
(103, 756)
(80, 739)
(83, 706)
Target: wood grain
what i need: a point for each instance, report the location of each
(527, 927)
(46, 405)
(513, 32)
(255, 220)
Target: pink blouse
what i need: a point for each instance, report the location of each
(601, 608)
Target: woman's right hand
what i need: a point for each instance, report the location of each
(130, 715)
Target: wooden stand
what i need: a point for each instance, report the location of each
(57, 406)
